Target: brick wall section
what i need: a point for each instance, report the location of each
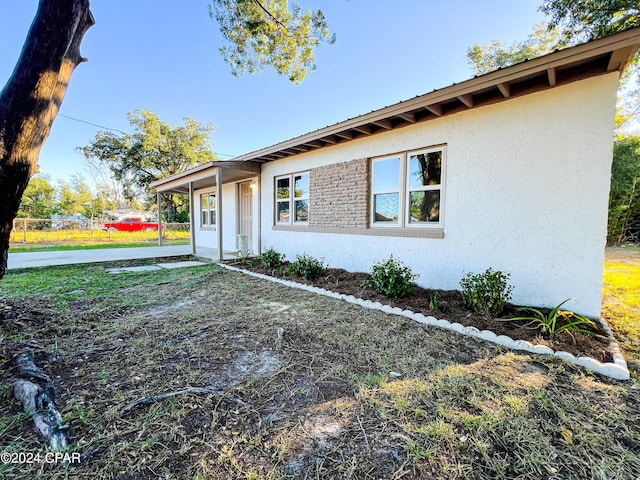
(339, 195)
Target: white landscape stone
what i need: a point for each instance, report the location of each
(566, 356)
(616, 371)
(618, 359)
(589, 363)
(504, 340)
(457, 327)
(443, 324)
(542, 350)
(523, 345)
(488, 335)
(473, 331)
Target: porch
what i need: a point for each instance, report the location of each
(224, 202)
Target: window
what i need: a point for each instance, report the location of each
(386, 190)
(292, 199)
(207, 210)
(406, 189)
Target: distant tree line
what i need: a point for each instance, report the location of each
(42, 198)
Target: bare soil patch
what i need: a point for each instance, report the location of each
(451, 307)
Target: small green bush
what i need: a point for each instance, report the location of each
(486, 292)
(392, 278)
(307, 267)
(272, 258)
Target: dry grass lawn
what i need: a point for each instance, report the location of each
(299, 386)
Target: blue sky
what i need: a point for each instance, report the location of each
(163, 55)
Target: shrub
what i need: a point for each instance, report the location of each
(307, 267)
(486, 292)
(272, 258)
(392, 278)
(557, 321)
(434, 302)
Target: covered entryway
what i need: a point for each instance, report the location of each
(223, 197)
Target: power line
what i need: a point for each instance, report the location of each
(92, 124)
(116, 130)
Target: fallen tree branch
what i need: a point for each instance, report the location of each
(34, 389)
(183, 391)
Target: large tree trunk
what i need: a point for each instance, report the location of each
(30, 101)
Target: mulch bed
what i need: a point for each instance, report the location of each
(451, 307)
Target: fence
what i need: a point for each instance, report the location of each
(46, 231)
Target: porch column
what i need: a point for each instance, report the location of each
(259, 193)
(159, 195)
(219, 212)
(192, 222)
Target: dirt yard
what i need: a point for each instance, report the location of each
(288, 384)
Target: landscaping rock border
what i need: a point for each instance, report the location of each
(617, 370)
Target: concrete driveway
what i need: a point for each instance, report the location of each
(69, 257)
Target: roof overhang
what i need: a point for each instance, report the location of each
(597, 57)
(205, 175)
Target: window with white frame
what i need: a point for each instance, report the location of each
(207, 210)
(407, 189)
(292, 199)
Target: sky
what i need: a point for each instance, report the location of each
(163, 55)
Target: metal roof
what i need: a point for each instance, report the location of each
(596, 57)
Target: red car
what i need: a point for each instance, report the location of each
(131, 225)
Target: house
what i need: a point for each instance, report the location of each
(508, 170)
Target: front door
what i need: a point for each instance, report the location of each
(245, 211)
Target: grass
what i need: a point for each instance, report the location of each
(83, 237)
(621, 299)
(22, 248)
(318, 400)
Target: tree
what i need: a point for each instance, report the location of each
(571, 21)
(586, 20)
(33, 94)
(590, 19)
(624, 199)
(261, 34)
(155, 150)
(31, 98)
(487, 58)
(38, 199)
(75, 197)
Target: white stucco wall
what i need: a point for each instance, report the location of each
(207, 237)
(527, 183)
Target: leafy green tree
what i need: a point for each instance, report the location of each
(31, 99)
(589, 19)
(154, 150)
(270, 34)
(624, 200)
(75, 197)
(38, 199)
(487, 58)
(571, 21)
